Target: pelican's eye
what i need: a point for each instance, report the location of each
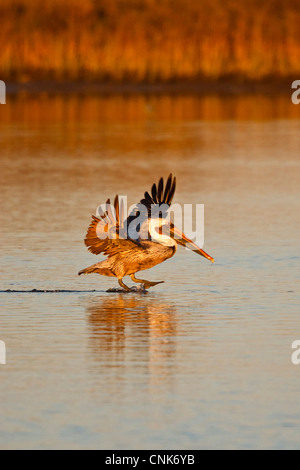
(158, 229)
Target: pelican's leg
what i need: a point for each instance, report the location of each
(120, 281)
(147, 284)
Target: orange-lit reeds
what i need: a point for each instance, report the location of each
(149, 40)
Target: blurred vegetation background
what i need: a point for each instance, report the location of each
(149, 41)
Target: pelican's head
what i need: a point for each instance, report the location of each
(159, 231)
(169, 230)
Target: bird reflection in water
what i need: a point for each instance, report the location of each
(133, 332)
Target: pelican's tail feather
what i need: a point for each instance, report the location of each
(99, 268)
(87, 270)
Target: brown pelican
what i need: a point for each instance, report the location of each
(143, 240)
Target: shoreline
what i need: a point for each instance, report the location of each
(223, 87)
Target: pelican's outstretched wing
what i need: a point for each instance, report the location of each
(155, 204)
(106, 233)
(161, 194)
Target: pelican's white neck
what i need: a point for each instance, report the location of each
(154, 226)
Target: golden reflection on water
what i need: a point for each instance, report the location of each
(122, 326)
(71, 109)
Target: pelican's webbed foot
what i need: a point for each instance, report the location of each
(141, 288)
(147, 284)
(126, 288)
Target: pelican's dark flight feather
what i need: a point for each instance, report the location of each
(159, 196)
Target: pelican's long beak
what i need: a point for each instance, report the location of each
(185, 241)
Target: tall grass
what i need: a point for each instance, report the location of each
(149, 40)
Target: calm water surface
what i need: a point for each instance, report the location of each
(201, 361)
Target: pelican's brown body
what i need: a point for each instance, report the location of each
(132, 261)
(153, 245)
